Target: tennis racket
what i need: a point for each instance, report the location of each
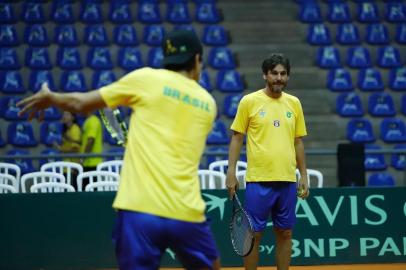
(241, 230)
(115, 125)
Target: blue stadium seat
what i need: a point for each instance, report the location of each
(381, 104)
(155, 57)
(328, 57)
(207, 13)
(231, 104)
(381, 179)
(51, 133)
(400, 35)
(397, 79)
(204, 80)
(72, 81)
(52, 114)
(66, 35)
(218, 135)
(99, 58)
(7, 13)
(348, 34)
(398, 161)
(11, 82)
(338, 12)
(310, 12)
(374, 162)
(389, 57)
(33, 13)
(95, 35)
(120, 12)
(360, 130)
(393, 130)
(229, 81)
(318, 34)
(36, 35)
(221, 58)
(68, 58)
(395, 12)
(358, 57)
(214, 149)
(9, 109)
(367, 12)
(178, 12)
(370, 79)
(153, 35)
(102, 78)
(49, 152)
(377, 34)
(21, 134)
(349, 105)
(116, 150)
(37, 58)
(2, 141)
(188, 27)
(339, 80)
(148, 12)
(91, 12)
(38, 77)
(215, 35)
(62, 12)
(9, 59)
(403, 105)
(129, 58)
(8, 35)
(25, 164)
(125, 35)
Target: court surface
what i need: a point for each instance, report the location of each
(397, 266)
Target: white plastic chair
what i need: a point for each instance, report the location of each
(11, 169)
(102, 186)
(241, 178)
(110, 166)
(97, 176)
(8, 180)
(63, 167)
(312, 174)
(7, 189)
(41, 177)
(222, 166)
(51, 187)
(211, 179)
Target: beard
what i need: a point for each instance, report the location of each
(277, 87)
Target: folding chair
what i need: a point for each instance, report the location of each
(39, 178)
(211, 179)
(102, 186)
(110, 166)
(63, 167)
(310, 174)
(51, 187)
(8, 183)
(222, 166)
(95, 177)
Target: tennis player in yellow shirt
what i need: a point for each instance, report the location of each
(274, 124)
(159, 201)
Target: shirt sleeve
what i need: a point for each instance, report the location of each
(300, 122)
(241, 120)
(125, 91)
(94, 127)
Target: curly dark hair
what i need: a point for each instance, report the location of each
(273, 60)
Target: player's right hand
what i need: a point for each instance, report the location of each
(231, 183)
(36, 103)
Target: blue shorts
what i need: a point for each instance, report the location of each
(277, 199)
(141, 239)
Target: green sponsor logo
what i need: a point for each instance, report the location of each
(288, 114)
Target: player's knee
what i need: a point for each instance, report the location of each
(283, 234)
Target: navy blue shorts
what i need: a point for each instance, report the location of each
(275, 199)
(141, 239)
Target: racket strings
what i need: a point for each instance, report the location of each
(242, 235)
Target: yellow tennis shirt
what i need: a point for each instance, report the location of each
(271, 125)
(92, 128)
(172, 116)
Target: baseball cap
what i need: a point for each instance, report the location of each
(179, 46)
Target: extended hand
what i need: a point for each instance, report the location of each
(303, 188)
(36, 103)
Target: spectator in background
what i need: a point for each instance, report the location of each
(71, 137)
(92, 142)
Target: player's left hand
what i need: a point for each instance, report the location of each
(36, 104)
(303, 190)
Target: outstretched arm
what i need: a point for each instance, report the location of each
(233, 156)
(73, 102)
